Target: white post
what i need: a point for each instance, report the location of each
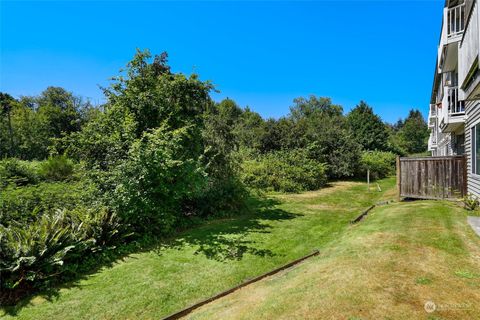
(368, 179)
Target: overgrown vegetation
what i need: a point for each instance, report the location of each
(380, 164)
(157, 156)
(286, 171)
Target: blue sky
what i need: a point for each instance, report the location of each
(261, 54)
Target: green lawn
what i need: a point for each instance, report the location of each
(389, 266)
(211, 258)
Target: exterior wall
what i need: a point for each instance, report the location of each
(473, 117)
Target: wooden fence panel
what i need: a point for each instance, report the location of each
(432, 177)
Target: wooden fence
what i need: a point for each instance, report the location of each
(432, 177)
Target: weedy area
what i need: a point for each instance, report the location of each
(206, 260)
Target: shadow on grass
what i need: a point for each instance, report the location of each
(221, 239)
(227, 239)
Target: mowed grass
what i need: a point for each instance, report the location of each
(400, 257)
(206, 260)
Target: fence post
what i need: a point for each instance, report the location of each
(399, 176)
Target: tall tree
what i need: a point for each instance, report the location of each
(414, 133)
(250, 129)
(6, 105)
(367, 128)
(320, 127)
(61, 109)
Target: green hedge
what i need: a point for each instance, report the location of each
(285, 171)
(380, 164)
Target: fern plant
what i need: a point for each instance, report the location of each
(33, 255)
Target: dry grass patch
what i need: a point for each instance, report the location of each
(330, 188)
(320, 207)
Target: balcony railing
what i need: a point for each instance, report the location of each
(455, 20)
(455, 106)
(433, 111)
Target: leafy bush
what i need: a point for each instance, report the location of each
(470, 202)
(380, 163)
(35, 255)
(17, 172)
(286, 171)
(57, 168)
(156, 180)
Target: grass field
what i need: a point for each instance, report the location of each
(389, 266)
(386, 267)
(209, 259)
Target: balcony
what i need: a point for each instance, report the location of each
(432, 116)
(452, 113)
(452, 32)
(432, 141)
(455, 21)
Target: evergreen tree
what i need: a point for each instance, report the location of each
(367, 128)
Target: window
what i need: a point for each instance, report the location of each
(475, 133)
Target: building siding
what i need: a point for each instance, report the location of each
(472, 110)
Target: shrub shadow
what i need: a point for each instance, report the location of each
(227, 239)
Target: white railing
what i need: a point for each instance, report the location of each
(433, 110)
(455, 20)
(455, 106)
(432, 141)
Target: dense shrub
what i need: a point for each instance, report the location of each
(223, 193)
(25, 204)
(56, 168)
(34, 255)
(17, 172)
(286, 171)
(157, 178)
(380, 163)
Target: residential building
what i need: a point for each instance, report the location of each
(454, 114)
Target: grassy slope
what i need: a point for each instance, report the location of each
(386, 267)
(209, 259)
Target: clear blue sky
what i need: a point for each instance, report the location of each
(261, 54)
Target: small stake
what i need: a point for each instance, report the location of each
(368, 179)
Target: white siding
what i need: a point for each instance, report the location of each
(473, 117)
